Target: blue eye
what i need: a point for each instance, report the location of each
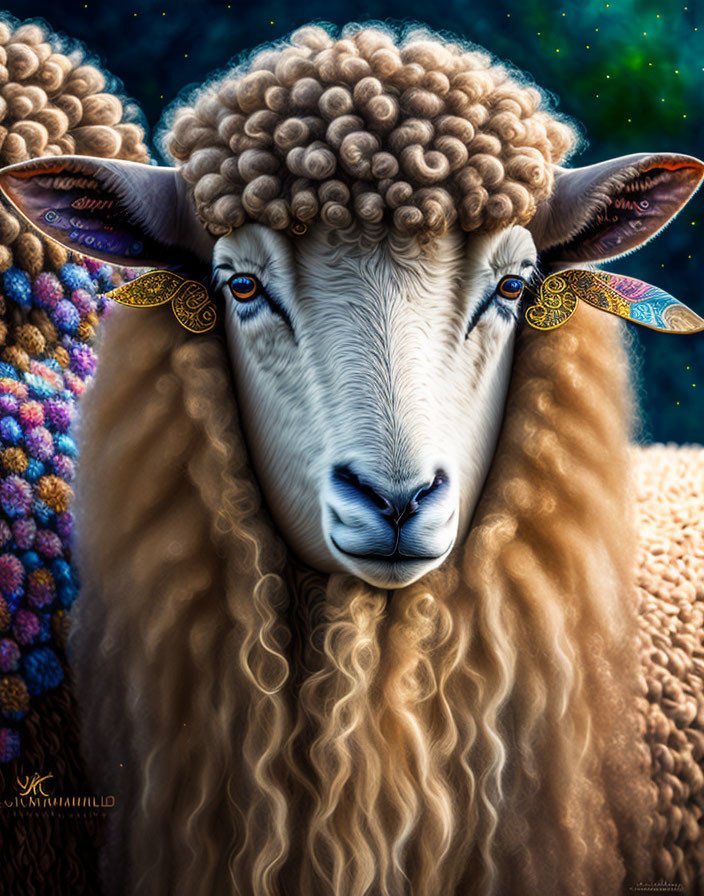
(244, 288)
(510, 288)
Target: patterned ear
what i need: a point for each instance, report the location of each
(120, 212)
(611, 208)
(631, 299)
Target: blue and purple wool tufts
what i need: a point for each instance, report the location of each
(44, 366)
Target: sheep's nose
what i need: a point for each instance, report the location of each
(396, 508)
(375, 521)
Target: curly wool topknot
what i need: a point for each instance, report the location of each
(367, 126)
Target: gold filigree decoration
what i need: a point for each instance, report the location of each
(149, 290)
(557, 302)
(631, 299)
(192, 306)
(596, 291)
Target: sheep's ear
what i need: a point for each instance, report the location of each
(122, 212)
(609, 209)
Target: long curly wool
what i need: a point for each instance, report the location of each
(328, 740)
(413, 127)
(301, 733)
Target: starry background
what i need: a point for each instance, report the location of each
(631, 72)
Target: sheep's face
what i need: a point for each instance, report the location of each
(372, 371)
(371, 378)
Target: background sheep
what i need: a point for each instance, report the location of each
(351, 711)
(49, 308)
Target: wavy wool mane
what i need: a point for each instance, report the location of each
(267, 730)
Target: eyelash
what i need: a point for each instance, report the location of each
(499, 293)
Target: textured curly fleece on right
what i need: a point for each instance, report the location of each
(369, 126)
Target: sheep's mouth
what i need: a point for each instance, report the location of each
(391, 570)
(395, 557)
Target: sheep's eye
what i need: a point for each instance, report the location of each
(253, 299)
(244, 288)
(510, 287)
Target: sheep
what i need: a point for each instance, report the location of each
(50, 303)
(363, 605)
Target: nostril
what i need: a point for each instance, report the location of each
(344, 475)
(397, 508)
(413, 504)
(439, 479)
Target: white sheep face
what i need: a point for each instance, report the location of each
(371, 372)
(371, 378)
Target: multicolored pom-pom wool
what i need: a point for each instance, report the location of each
(47, 324)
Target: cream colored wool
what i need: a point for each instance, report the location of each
(303, 693)
(671, 613)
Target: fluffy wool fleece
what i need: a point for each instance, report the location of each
(671, 613)
(267, 730)
(52, 102)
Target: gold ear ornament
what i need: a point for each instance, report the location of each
(190, 302)
(626, 297)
